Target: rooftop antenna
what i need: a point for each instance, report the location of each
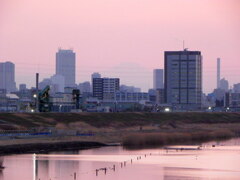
(184, 49)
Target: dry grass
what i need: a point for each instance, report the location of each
(142, 140)
(119, 120)
(156, 128)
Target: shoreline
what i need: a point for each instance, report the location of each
(47, 147)
(138, 140)
(76, 131)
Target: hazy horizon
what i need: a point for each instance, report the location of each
(124, 39)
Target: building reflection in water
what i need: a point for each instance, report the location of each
(50, 167)
(1, 167)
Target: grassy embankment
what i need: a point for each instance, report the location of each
(132, 129)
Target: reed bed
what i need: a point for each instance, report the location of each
(143, 140)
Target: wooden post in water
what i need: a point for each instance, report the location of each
(131, 161)
(121, 165)
(114, 167)
(96, 172)
(105, 169)
(75, 176)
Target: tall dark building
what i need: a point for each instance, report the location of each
(97, 85)
(183, 79)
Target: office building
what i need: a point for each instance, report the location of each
(105, 88)
(183, 79)
(218, 97)
(160, 96)
(84, 87)
(57, 83)
(45, 82)
(66, 66)
(236, 88)
(158, 79)
(124, 96)
(232, 100)
(7, 76)
(223, 84)
(152, 95)
(129, 88)
(95, 75)
(22, 87)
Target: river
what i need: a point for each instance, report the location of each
(215, 160)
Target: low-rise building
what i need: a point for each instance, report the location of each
(232, 100)
(124, 96)
(62, 102)
(8, 102)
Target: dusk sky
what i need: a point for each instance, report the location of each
(119, 38)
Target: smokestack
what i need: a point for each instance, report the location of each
(218, 72)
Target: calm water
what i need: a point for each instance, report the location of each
(219, 162)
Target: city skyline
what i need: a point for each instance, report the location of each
(129, 44)
(218, 78)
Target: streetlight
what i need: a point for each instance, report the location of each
(35, 98)
(167, 109)
(227, 109)
(60, 106)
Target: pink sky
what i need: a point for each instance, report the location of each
(119, 38)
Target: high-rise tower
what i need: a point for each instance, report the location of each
(7, 76)
(183, 79)
(158, 79)
(66, 66)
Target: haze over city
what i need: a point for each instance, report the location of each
(124, 39)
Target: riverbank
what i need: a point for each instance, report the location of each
(131, 129)
(111, 120)
(145, 140)
(47, 147)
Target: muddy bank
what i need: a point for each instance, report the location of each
(47, 147)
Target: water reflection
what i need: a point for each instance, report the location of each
(212, 162)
